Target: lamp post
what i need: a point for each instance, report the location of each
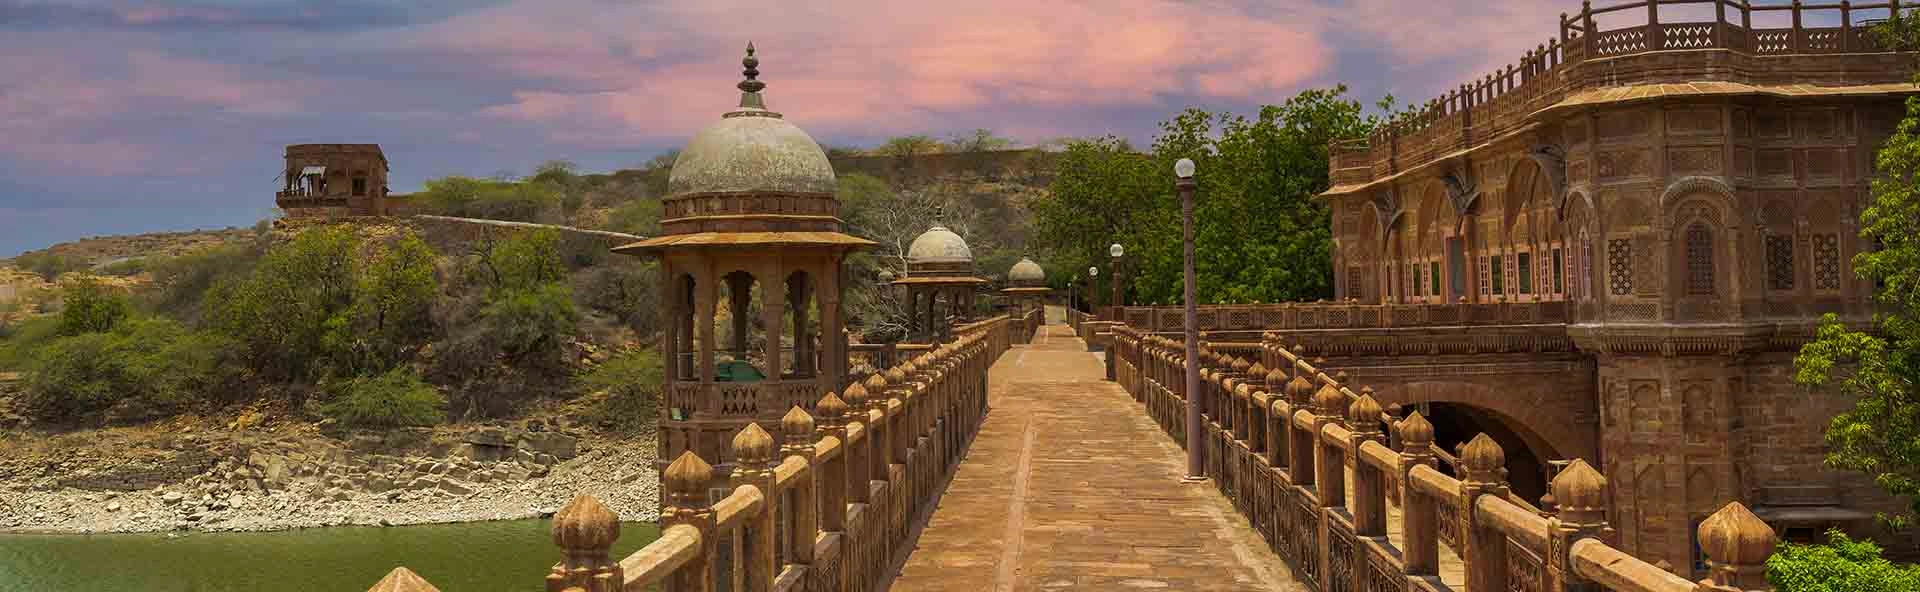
(1093, 277)
(1196, 451)
(1114, 302)
(1072, 307)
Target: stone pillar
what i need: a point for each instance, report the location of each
(1369, 483)
(754, 461)
(1580, 493)
(1485, 548)
(686, 484)
(859, 457)
(1421, 520)
(1329, 406)
(833, 476)
(799, 430)
(739, 295)
(585, 531)
(1301, 460)
(1737, 544)
(882, 432)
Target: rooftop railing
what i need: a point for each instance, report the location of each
(1501, 101)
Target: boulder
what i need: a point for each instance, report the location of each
(379, 484)
(456, 487)
(424, 482)
(554, 443)
(495, 437)
(173, 497)
(113, 506)
(338, 494)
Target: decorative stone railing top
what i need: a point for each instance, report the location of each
(1503, 100)
(1318, 469)
(1275, 317)
(826, 505)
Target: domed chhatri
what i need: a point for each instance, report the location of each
(1027, 273)
(939, 282)
(939, 245)
(750, 252)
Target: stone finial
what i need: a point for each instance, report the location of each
(753, 445)
(897, 375)
(1276, 380)
(1364, 414)
(1329, 402)
(688, 476)
(855, 396)
(833, 411)
(402, 579)
(876, 383)
(1257, 371)
(1240, 366)
(1580, 492)
(1300, 389)
(585, 524)
(1339, 377)
(798, 425)
(1484, 460)
(1737, 544)
(752, 72)
(1416, 433)
(1242, 391)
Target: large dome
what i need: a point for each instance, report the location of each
(1026, 271)
(939, 245)
(751, 150)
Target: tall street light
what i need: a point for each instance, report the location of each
(1196, 451)
(1114, 303)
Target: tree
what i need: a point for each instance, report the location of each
(907, 148)
(1260, 235)
(282, 312)
(391, 315)
(979, 140)
(1880, 435)
(88, 306)
(1840, 565)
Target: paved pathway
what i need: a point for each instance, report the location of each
(1069, 486)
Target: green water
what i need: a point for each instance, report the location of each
(478, 556)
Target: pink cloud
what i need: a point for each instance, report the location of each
(846, 65)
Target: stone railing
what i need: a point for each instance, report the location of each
(1027, 325)
(828, 507)
(1352, 501)
(1727, 48)
(1302, 316)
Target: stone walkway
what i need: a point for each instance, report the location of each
(1069, 486)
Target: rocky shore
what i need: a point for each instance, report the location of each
(224, 482)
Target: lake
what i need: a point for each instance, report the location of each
(476, 556)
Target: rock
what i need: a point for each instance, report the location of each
(544, 459)
(495, 437)
(554, 443)
(440, 468)
(535, 426)
(455, 487)
(423, 465)
(113, 506)
(173, 497)
(379, 484)
(458, 472)
(338, 494)
(424, 482)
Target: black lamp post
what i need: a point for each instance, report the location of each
(1196, 442)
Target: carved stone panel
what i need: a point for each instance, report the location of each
(1626, 162)
(1694, 161)
(1622, 124)
(1773, 162)
(1693, 121)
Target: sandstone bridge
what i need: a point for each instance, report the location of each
(1569, 296)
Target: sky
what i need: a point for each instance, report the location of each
(121, 116)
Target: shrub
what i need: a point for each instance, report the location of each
(391, 399)
(88, 306)
(631, 381)
(156, 363)
(640, 216)
(24, 338)
(391, 315)
(282, 312)
(492, 199)
(126, 267)
(183, 281)
(528, 324)
(629, 290)
(48, 266)
(1840, 565)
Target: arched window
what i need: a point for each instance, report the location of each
(1699, 245)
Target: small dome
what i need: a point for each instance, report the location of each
(939, 245)
(1026, 271)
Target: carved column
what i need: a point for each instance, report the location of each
(1420, 517)
(1737, 544)
(859, 463)
(686, 484)
(1581, 494)
(753, 466)
(833, 476)
(1369, 486)
(799, 429)
(585, 531)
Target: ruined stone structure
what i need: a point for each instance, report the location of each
(336, 180)
(940, 285)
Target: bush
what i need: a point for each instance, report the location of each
(640, 216)
(88, 306)
(391, 315)
(155, 363)
(48, 266)
(392, 399)
(529, 325)
(125, 267)
(631, 381)
(1840, 565)
(491, 199)
(183, 281)
(628, 290)
(17, 347)
(282, 312)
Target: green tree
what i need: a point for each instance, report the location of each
(631, 382)
(909, 147)
(1840, 565)
(979, 140)
(1880, 435)
(1259, 233)
(88, 306)
(155, 363)
(639, 216)
(281, 312)
(394, 398)
(391, 315)
(495, 199)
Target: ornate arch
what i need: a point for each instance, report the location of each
(1547, 428)
(1689, 186)
(1463, 190)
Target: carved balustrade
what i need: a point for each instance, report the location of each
(1728, 47)
(1351, 499)
(824, 507)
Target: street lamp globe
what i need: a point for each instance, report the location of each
(1116, 251)
(1093, 272)
(1183, 168)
